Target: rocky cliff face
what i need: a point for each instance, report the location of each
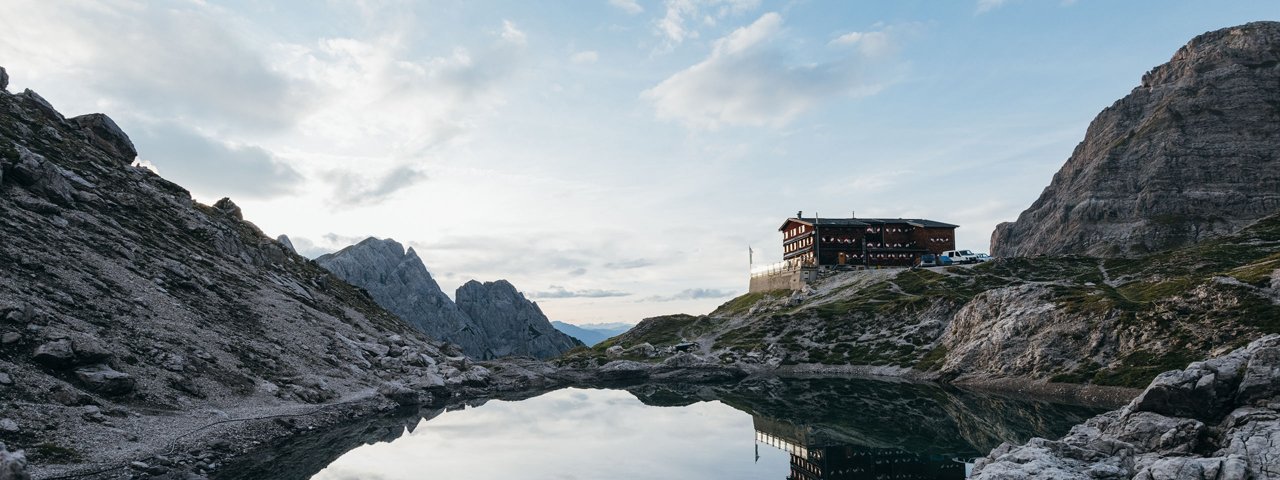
(129, 313)
(399, 281)
(490, 320)
(512, 325)
(1190, 153)
(1217, 419)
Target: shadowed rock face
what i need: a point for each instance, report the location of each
(398, 280)
(512, 325)
(1191, 153)
(490, 320)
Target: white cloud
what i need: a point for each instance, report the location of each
(988, 5)
(184, 60)
(682, 17)
(747, 80)
(212, 167)
(381, 99)
(557, 291)
(352, 189)
(512, 34)
(629, 6)
(589, 56)
(692, 294)
(871, 44)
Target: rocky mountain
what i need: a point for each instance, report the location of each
(398, 280)
(136, 322)
(489, 320)
(1026, 323)
(591, 334)
(512, 324)
(1216, 419)
(1188, 154)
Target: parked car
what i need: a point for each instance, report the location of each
(928, 260)
(944, 260)
(982, 257)
(962, 256)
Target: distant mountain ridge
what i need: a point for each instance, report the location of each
(1189, 154)
(489, 320)
(592, 333)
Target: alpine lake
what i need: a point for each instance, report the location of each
(759, 428)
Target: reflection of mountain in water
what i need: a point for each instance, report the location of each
(846, 429)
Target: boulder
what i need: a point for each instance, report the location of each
(614, 351)
(624, 370)
(55, 354)
(1175, 429)
(105, 380)
(41, 176)
(225, 205)
(103, 133)
(399, 393)
(13, 465)
(4, 79)
(284, 240)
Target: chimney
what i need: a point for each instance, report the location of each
(799, 213)
(853, 214)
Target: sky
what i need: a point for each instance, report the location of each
(613, 159)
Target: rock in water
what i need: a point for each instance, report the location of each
(1190, 153)
(1218, 419)
(512, 324)
(399, 281)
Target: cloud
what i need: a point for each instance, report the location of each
(169, 60)
(629, 264)
(351, 188)
(682, 17)
(988, 5)
(629, 6)
(381, 94)
(556, 291)
(512, 34)
(692, 294)
(589, 56)
(746, 80)
(211, 166)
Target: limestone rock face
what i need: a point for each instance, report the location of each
(398, 280)
(512, 325)
(1216, 419)
(1188, 154)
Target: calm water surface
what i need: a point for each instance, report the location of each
(757, 429)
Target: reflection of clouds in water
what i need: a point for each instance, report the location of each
(570, 434)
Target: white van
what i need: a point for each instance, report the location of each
(962, 256)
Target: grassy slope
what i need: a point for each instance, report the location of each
(1197, 299)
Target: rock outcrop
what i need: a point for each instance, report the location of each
(398, 280)
(1217, 419)
(512, 324)
(123, 301)
(1188, 154)
(489, 320)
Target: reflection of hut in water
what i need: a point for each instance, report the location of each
(816, 458)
